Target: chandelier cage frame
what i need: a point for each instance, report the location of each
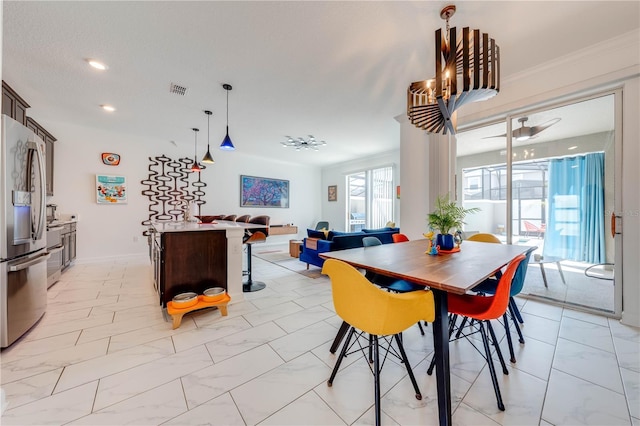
(475, 66)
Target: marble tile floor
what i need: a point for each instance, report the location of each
(103, 354)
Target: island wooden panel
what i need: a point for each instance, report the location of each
(192, 261)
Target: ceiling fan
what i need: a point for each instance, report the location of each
(524, 132)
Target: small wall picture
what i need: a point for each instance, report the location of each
(110, 158)
(111, 189)
(333, 193)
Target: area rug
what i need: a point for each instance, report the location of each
(283, 258)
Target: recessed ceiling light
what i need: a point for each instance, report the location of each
(107, 108)
(97, 64)
(572, 147)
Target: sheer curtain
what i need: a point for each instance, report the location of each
(575, 228)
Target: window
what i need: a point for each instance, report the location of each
(370, 203)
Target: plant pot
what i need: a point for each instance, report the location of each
(445, 241)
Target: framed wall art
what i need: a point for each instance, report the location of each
(111, 189)
(333, 193)
(263, 192)
(110, 158)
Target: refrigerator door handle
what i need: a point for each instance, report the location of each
(56, 250)
(29, 263)
(43, 191)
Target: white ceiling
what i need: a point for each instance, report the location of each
(335, 70)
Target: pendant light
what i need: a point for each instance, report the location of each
(207, 157)
(195, 167)
(226, 144)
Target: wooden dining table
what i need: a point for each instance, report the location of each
(443, 273)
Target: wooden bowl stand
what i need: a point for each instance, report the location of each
(178, 313)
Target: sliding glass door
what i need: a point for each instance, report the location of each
(370, 202)
(559, 167)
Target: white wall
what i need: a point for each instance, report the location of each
(106, 231)
(609, 64)
(334, 211)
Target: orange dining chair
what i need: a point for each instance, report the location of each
(399, 238)
(482, 309)
(489, 287)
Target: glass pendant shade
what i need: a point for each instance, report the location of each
(226, 144)
(195, 167)
(208, 158)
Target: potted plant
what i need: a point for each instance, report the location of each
(445, 218)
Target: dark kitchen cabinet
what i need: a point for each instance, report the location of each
(13, 105)
(188, 261)
(49, 142)
(69, 241)
(16, 107)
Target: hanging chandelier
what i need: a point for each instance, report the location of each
(301, 143)
(467, 70)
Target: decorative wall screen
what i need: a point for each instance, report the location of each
(170, 185)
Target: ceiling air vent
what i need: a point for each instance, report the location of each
(178, 89)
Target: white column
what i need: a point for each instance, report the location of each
(234, 263)
(425, 172)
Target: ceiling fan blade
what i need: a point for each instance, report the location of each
(537, 129)
(495, 136)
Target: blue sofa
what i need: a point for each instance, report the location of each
(320, 242)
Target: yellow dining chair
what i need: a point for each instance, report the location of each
(379, 313)
(485, 238)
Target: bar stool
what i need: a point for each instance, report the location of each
(253, 236)
(230, 217)
(244, 218)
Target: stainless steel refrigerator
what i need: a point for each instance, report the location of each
(23, 253)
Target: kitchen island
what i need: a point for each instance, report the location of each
(191, 256)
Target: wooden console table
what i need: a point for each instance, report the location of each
(282, 229)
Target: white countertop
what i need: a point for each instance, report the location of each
(218, 225)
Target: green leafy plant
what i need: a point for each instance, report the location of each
(448, 215)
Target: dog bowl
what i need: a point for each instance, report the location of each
(184, 300)
(206, 219)
(213, 294)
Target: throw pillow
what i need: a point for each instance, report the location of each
(312, 233)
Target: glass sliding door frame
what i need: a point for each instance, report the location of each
(617, 178)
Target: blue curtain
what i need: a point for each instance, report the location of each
(575, 226)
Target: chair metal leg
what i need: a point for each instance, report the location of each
(421, 329)
(371, 339)
(516, 324)
(492, 369)
(344, 327)
(343, 353)
(376, 377)
(462, 324)
(512, 303)
(495, 344)
(405, 360)
(512, 355)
